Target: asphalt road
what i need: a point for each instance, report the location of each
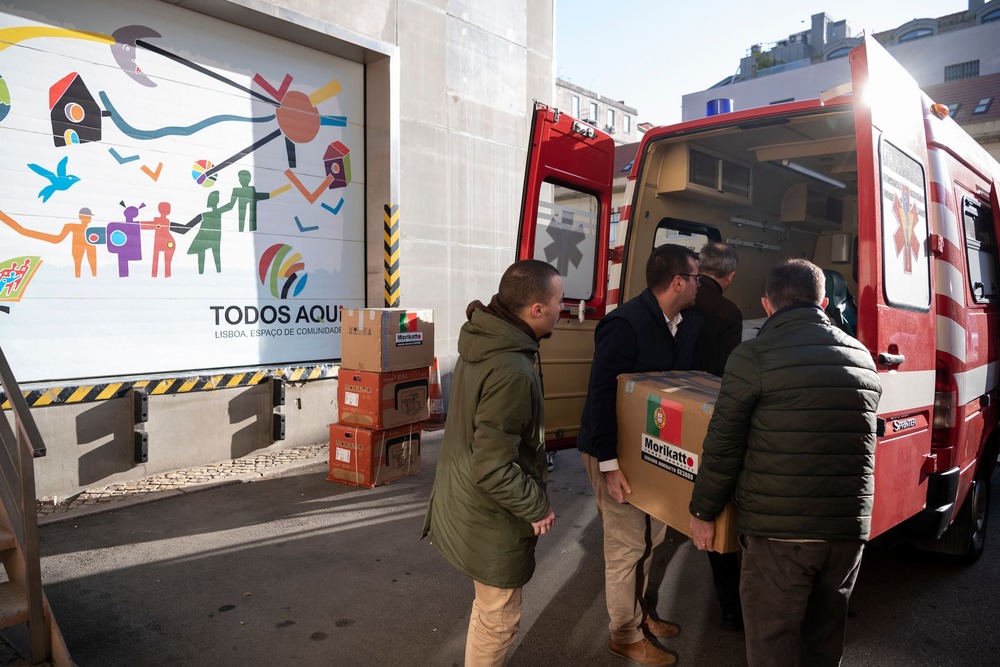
(295, 570)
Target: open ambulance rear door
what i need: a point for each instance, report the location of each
(565, 221)
(897, 310)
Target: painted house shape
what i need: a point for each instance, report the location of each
(337, 161)
(76, 117)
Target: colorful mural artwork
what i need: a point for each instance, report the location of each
(15, 274)
(149, 129)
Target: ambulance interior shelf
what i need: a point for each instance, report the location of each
(809, 204)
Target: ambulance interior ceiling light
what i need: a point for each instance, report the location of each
(806, 171)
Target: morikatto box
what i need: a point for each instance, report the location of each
(364, 457)
(662, 421)
(386, 339)
(382, 400)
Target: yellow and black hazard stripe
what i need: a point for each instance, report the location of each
(37, 398)
(391, 255)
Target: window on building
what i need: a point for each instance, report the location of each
(966, 70)
(992, 16)
(626, 124)
(593, 113)
(953, 109)
(839, 53)
(984, 105)
(611, 117)
(575, 111)
(916, 34)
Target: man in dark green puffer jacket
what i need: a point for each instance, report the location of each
(792, 440)
(489, 505)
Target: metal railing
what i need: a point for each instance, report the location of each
(17, 492)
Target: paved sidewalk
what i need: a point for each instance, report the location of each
(177, 482)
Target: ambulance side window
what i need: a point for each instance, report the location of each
(981, 251)
(905, 262)
(566, 238)
(688, 234)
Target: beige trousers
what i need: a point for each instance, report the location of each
(630, 536)
(496, 615)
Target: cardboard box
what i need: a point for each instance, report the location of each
(662, 421)
(363, 457)
(386, 339)
(382, 400)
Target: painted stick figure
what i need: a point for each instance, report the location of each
(124, 239)
(77, 231)
(209, 236)
(163, 240)
(247, 196)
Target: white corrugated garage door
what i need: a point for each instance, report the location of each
(176, 192)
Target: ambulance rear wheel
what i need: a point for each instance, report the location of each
(970, 524)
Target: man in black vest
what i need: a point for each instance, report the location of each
(720, 334)
(651, 332)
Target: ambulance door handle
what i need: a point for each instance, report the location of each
(888, 359)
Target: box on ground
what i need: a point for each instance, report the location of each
(382, 400)
(662, 421)
(363, 457)
(386, 339)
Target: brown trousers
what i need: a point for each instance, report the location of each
(795, 597)
(630, 536)
(496, 616)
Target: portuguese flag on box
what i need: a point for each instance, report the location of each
(408, 321)
(663, 419)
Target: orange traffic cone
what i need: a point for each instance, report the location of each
(436, 419)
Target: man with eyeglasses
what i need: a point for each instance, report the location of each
(651, 332)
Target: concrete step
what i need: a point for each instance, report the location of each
(13, 604)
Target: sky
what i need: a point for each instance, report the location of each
(651, 52)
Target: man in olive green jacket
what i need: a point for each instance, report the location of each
(488, 505)
(792, 440)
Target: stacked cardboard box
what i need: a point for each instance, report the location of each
(662, 421)
(382, 393)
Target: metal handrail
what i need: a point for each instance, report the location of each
(17, 491)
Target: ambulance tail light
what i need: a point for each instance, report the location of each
(945, 407)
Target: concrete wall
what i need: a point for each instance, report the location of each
(449, 88)
(469, 73)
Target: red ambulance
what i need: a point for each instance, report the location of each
(876, 185)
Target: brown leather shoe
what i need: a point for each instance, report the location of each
(662, 629)
(644, 652)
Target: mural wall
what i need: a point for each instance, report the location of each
(176, 193)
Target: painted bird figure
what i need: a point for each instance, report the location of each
(57, 181)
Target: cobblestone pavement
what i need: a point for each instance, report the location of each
(163, 485)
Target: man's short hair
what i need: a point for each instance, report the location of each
(665, 263)
(795, 282)
(524, 283)
(717, 259)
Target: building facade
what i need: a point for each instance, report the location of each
(614, 117)
(935, 51)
